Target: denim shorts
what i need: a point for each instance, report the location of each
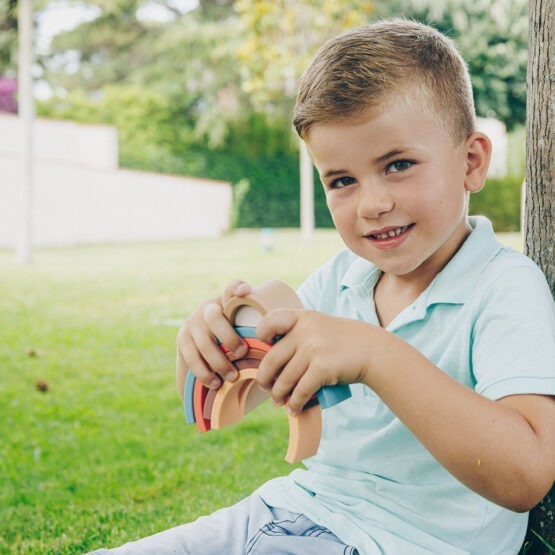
(250, 527)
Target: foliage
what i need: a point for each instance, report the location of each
(501, 198)
(278, 39)
(8, 36)
(492, 36)
(245, 55)
(188, 60)
(500, 201)
(145, 119)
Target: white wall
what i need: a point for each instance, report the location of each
(63, 142)
(497, 132)
(80, 196)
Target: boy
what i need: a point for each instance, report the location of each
(446, 337)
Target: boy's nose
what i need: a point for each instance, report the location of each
(373, 201)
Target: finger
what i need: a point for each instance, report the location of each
(273, 362)
(279, 321)
(303, 391)
(235, 288)
(221, 328)
(189, 358)
(288, 379)
(209, 356)
(201, 371)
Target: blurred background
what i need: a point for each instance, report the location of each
(205, 88)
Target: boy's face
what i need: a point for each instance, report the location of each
(395, 187)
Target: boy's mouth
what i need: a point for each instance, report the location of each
(389, 238)
(389, 233)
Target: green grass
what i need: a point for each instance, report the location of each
(104, 456)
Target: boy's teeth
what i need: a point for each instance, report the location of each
(392, 233)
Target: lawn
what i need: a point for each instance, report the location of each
(94, 449)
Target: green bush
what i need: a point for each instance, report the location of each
(500, 201)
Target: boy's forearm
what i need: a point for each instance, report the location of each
(489, 446)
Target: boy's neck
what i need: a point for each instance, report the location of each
(394, 293)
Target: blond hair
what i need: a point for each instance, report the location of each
(361, 69)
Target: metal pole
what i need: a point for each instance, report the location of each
(307, 194)
(26, 116)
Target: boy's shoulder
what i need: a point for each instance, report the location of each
(482, 262)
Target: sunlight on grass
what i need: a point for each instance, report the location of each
(94, 449)
(103, 455)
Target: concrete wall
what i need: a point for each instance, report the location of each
(497, 132)
(81, 196)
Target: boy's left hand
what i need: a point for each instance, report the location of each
(316, 350)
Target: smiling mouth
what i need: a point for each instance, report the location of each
(391, 233)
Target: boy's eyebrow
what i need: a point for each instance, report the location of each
(333, 173)
(391, 154)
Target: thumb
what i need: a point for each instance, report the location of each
(277, 322)
(235, 288)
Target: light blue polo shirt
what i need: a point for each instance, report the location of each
(488, 320)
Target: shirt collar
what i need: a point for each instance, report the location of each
(455, 282)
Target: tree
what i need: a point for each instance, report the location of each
(278, 39)
(539, 234)
(492, 37)
(186, 58)
(8, 35)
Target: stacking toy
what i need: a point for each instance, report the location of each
(213, 409)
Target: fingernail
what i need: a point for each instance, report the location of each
(231, 376)
(242, 350)
(241, 288)
(214, 384)
(292, 412)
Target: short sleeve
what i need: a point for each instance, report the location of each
(320, 289)
(310, 291)
(513, 348)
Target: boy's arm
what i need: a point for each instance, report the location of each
(504, 450)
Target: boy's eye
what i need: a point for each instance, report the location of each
(399, 166)
(341, 182)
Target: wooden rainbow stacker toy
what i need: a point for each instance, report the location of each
(214, 409)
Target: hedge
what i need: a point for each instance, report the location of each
(500, 201)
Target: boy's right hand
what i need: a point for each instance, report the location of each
(197, 341)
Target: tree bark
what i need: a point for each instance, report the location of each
(539, 229)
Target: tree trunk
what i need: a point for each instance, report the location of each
(539, 231)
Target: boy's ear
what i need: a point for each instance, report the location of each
(478, 155)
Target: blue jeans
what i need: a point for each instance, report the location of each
(248, 528)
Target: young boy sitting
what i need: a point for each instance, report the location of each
(446, 337)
